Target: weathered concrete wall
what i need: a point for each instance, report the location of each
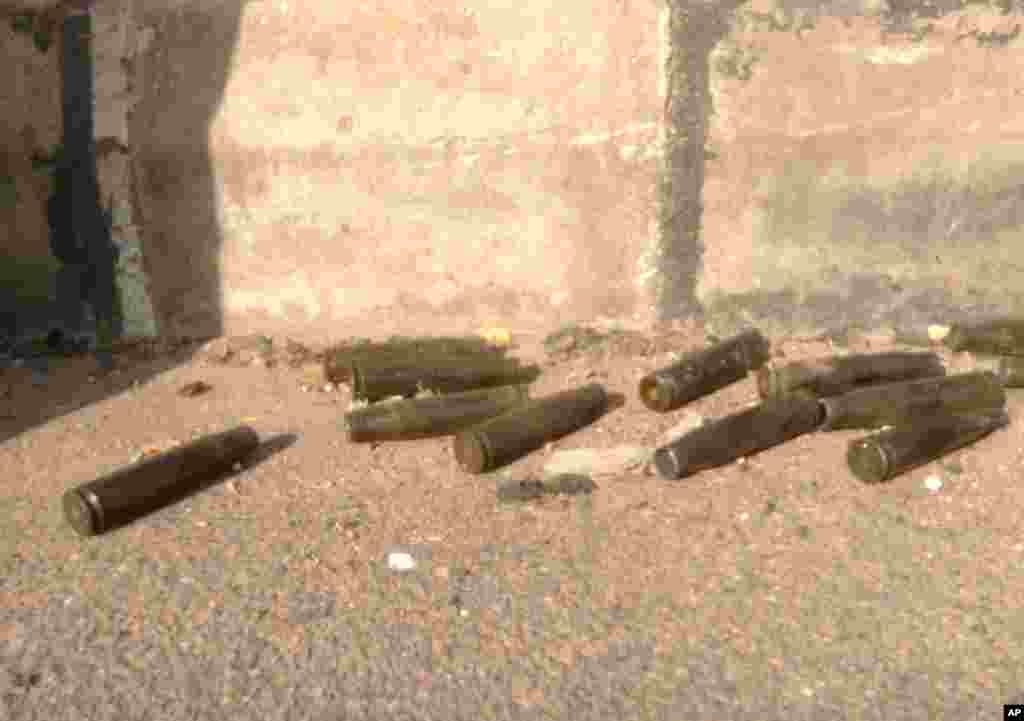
(329, 169)
(29, 125)
(117, 39)
(413, 164)
(30, 133)
(864, 163)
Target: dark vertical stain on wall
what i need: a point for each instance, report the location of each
(694, 30)
(80, 233)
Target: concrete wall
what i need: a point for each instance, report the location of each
(863, 163)
(29, 125)
(30, 130)
(328, 168)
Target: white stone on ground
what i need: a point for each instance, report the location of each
(398, 561)
(596, 462)
(933, 483)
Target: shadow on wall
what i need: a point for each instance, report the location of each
(180, 81)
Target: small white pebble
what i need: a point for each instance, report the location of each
(401, 562)
(744, 516)
(329, 388)
(463, 612)
(933, 483)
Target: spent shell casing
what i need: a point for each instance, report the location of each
(737, 435)
(510, 436)
(432, 416)
(892, 404)
(153, 483)
(338, 361)
(1003, 336)
(1010, 371)
(888, 453)
(835, 375)
(703, 372)
(373, 380)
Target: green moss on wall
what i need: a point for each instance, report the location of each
(26, 280)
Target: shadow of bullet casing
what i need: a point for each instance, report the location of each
(431, 417)
(907, 401)
(835, 375)
(129, 493)
(737, 435)
(512, 435)
(703, 372)
(888, 453)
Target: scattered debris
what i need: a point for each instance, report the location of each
(401, 561)
(498, 337)
(239, 350)
(313, 375)
(596, 463)
(195, 388)
(572, 338)
(530, 489)
(933, 483)
(295, 354)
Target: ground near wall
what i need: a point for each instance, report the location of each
(775, 588)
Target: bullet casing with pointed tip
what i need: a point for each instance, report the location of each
(836, 375)
(1004, 336)
(153, 483)
(737, 435)
(703, 372)
(512, 435)
(906, 401)
(374, 381)
(433, 416)
(888, 453)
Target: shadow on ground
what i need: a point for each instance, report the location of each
(181, 80)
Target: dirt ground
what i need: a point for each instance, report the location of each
(776, 588)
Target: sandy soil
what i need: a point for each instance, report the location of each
(778, 584)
